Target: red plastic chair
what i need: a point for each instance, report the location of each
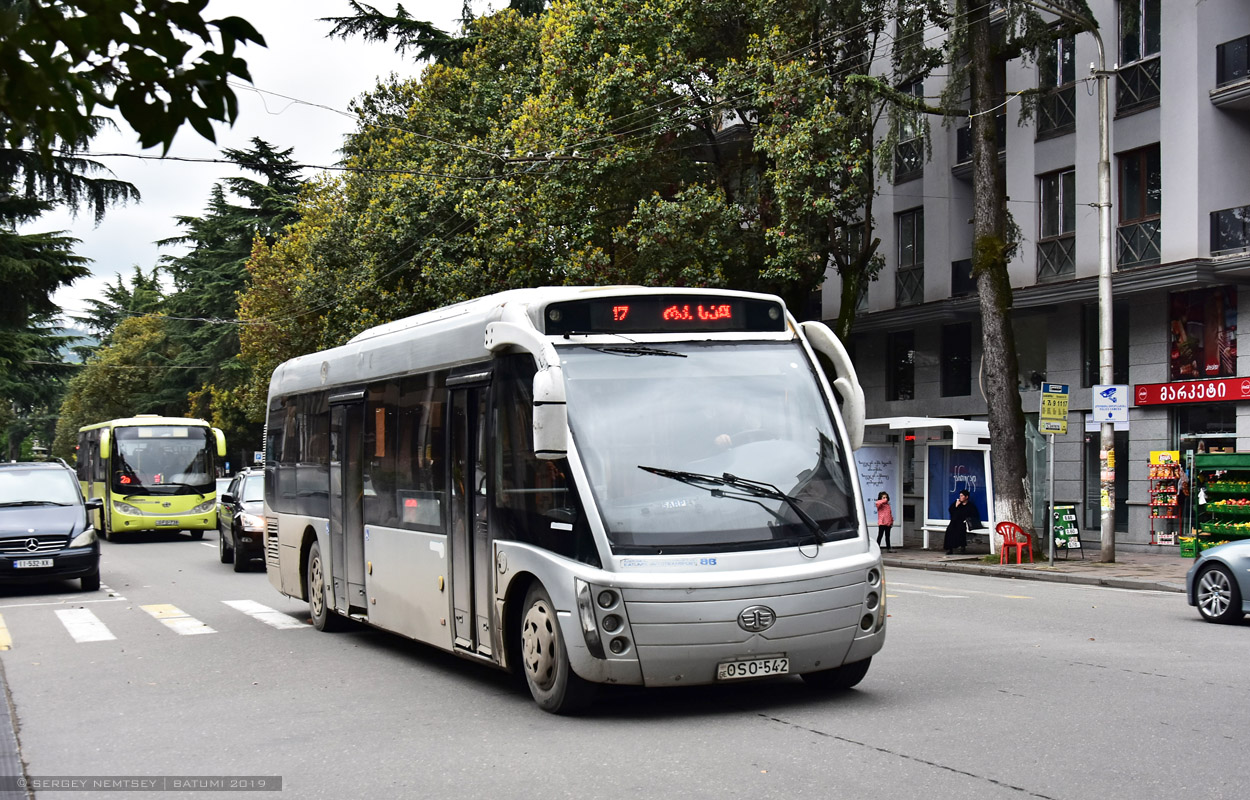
(1014, 536)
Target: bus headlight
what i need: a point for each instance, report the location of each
(204, 508)
(252, 523)
(126, 508)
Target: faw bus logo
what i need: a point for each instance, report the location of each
(756, 619)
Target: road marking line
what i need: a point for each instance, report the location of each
(208, 544)
(84, 626)
(177, 620)
(267, 615)
(6, 641)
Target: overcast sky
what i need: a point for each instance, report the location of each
(299, 62)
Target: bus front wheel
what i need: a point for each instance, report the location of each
(838, 679)
(544, 659)
(197, 535)
(324, 618)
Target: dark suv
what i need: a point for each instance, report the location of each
(241, 520)
(45, 529)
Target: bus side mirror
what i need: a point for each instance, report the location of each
(845, 382)
(551, 420)
(104, 443)
(221, 442)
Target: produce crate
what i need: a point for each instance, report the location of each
(1188, 549)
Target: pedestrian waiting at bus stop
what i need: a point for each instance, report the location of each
(964, 517)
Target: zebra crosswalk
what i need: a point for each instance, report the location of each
(84, 626)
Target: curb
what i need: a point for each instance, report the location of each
(1144, 584)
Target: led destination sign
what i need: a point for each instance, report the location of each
(665, 314)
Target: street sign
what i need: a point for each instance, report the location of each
(1054, 411)
(1110, 403)
(258, 456)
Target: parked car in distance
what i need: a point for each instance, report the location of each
(241, 521)
(1219, 582)
(46, 532)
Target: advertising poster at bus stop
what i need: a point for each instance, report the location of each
(952, 471)
(878, 472)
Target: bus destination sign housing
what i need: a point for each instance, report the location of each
(657, 313)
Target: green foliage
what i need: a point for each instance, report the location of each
(125, 378)
(62, 60)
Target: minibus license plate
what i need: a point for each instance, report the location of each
(166, 523)
(32, 562)
(731, 670)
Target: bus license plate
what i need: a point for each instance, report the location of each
(166, 523)
(732, 670)
(27, 563)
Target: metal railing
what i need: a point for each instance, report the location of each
(908, 160)
(1232, 61)
(1056, 112)
(1230, 230)
(909, 286)
(963, 139)
(1056, 258)
(1137, 244)
(1137, 86)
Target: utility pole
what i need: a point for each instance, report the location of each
(1106, 350)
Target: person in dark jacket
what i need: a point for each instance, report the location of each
(964, 517)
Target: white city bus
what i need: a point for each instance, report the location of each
(589, 485)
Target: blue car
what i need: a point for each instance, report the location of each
(1219, 582)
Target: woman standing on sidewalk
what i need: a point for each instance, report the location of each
(885, 519)
(964, 516)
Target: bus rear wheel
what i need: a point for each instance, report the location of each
(544, 659)
(324, 618)
(838, 679)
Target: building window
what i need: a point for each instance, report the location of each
(1056, 242)
(909, 148)
(1137, 84)
(1091, 361)
(1203, 326)
(901, 379)
(1030, 332)
(1141, 200)
(962, 281)
(1093, 486)
(957, 360)
(1232, 61)
(1230, 230)
(1056, 110)
(909, 277)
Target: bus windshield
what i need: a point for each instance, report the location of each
(162, 460)
(704, 447)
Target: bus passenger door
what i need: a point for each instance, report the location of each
(470, 541)
(347, 537)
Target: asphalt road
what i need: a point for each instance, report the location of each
(986, 688)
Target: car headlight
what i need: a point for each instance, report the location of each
(204, 508)
(251, 522)
(126, 508)
(84, 539)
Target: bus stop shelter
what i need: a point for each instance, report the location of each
(952, 455)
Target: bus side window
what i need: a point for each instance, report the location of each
(535, 499)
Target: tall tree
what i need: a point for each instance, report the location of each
(980, 47)
(120, 302)
(421, 40)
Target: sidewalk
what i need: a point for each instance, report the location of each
(1129, 571)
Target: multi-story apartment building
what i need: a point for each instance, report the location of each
(1180, 163)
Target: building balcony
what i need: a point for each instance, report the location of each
(963, 146)
(909, 286)
(908, 160)
(1137, 86)
(1056, 259)
(1056, 113)
(1232, 75)
(1230, 231)
(1137, 244)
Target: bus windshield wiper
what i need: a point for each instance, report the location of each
(638, 350)
(747, 487)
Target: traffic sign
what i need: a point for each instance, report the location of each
(1110, 403)
(1054, 411)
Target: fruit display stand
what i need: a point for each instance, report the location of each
(1221, 499)
(1165, 476)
